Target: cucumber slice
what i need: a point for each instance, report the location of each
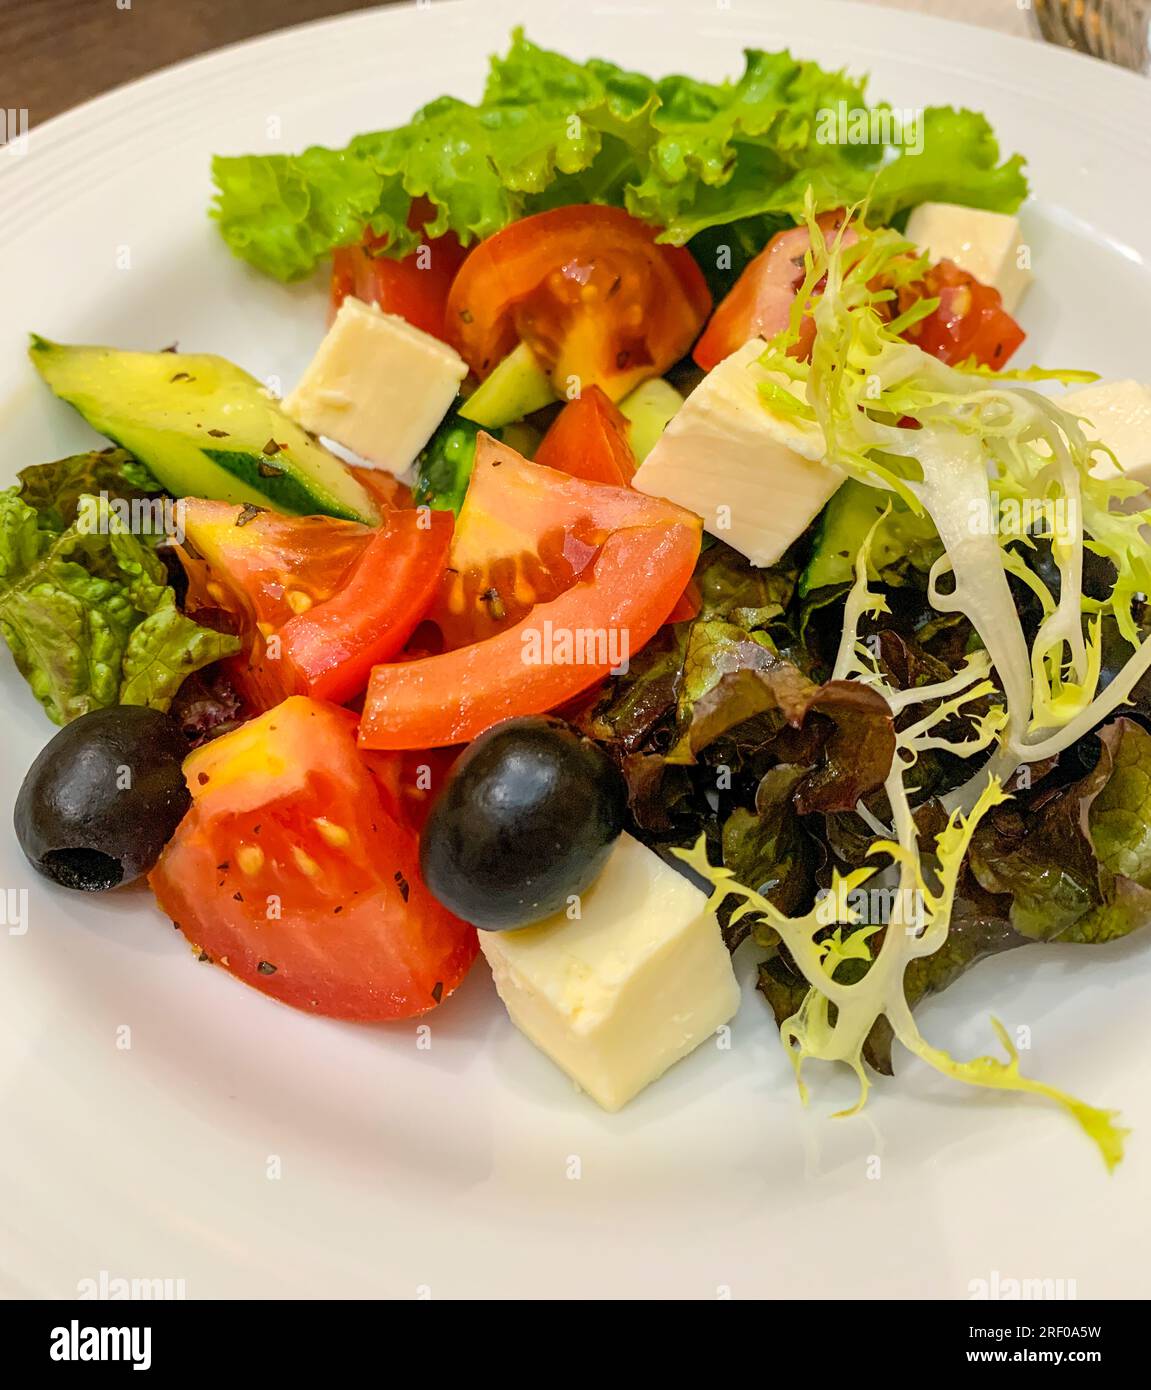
(843, 526)
(515, 388)
(204, 427)
(648, 409)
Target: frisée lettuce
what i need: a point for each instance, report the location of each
(954, 445)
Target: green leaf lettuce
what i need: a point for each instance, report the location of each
(89, 616)
(685, 155)
(1077, 866)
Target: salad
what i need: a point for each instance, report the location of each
(669, 551)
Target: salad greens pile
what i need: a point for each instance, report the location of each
(85, 603)
(1005, 656)
(685, 155)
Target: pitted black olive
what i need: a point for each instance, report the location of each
(103, 798)
(527, 817)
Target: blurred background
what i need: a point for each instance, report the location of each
(55, 54)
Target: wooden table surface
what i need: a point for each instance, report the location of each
(55, 54)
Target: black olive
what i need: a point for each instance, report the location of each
(526, 818)
(103, 798)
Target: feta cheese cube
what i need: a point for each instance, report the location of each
(377, 386)
(1118, 414)
(637, 982)
(985, 244)
(757, 478)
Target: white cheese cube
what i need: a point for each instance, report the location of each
(377, 386)
(756, 478)
(637, 982)
(985, 244)
(1118, 413)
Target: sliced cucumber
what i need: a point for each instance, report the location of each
(842, 529)
(444, 467)
(515, 388)
(204, 427)
(648, 409)
(521, 437)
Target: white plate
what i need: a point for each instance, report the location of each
(451, 1170)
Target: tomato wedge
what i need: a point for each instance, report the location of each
(688, 606)
(759, 304)
(589, 289)
(525, 533)
(330, 649)
(410, 780)
(588, 439)
(263, 566)
(970, 322)
(556, 652)
(415, 287)
(386, 489)
(320, 602)
(290, 872)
